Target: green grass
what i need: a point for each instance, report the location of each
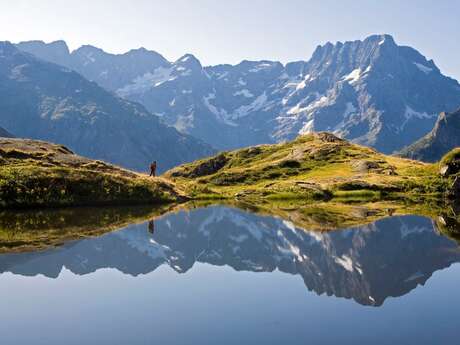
(39, 174)
(311, 167)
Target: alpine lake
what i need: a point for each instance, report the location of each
(199, 273)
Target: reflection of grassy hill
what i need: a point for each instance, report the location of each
(314, 166)
(330, 215)
(39, 229)
(36, 173)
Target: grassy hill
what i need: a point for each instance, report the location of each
(36, 173)
(314, 166)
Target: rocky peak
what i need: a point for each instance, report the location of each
(148, 56)
(56, 52)
(189, 61)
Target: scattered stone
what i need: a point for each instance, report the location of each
(328, 137)
(363, 166)
(253, 151)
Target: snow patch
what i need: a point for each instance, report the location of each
(353, 76)
(345, 262)
(146, 82)
(307, 127)
(261, 66)
(304, 82)
(423, 68)
(321, 102)
(416, 275)
(289, 225)
(221, 114)
(223, 75)
(256, 105)
(245, 92)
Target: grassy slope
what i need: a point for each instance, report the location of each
(314, 166)
(35, 173)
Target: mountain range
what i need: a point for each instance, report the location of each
(373, 92)
(42, 100)
(368, 264)
(444, 137)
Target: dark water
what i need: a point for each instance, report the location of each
(224, 276)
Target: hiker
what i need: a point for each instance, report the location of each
(151, 227)
(153, 168)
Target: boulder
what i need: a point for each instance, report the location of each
(364, 166)
(208, 167)
(449, 169)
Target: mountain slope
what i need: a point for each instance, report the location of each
(373, 92)
(45, 101)
(444, 137)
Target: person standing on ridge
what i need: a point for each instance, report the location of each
(153, 168)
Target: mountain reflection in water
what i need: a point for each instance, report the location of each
(387, 258)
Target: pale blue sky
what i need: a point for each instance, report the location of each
(219, 31)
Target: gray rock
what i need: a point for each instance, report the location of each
(364, 166)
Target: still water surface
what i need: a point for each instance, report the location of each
(220, 275)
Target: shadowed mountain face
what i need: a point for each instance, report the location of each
(373, 92)
(444, 137)
(41, 100)
(390, 257)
